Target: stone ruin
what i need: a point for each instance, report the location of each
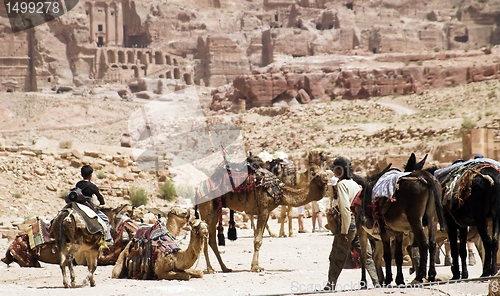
(119, 41)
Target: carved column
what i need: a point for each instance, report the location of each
(119, 24)
(90, 7)
(109, 23)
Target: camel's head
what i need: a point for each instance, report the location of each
(180, 213)
(318, 174)
(199, 228)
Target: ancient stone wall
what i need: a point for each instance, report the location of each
(266, 88)
(221, 60)
(123, 64)
(15, 69)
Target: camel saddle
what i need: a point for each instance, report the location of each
(38, 233)
(147, 241)
(93, 223)
(457, 183)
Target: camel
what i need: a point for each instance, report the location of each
(69, 229)
(170, 266)
(285, 171)
(122, 228)
(258, 202)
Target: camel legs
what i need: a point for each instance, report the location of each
(257, 242)
(286, 211)
(119, 270)
(212, 221)
(184, 275)
(252, 223)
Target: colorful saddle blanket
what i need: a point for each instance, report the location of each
(457, 179)
(147, 241)
(38, 233)
(241, 182)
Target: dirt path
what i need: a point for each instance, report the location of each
(399, 109)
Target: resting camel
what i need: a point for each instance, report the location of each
(20, 252)
(260, 203)
(171, 266)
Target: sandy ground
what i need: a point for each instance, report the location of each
(292, 266)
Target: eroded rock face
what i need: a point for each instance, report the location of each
(212, 42)
(399, 74)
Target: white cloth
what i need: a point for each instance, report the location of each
(386, 185)
(300, 210)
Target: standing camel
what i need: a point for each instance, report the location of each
(258, 202)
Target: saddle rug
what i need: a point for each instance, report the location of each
(387, 185)
(93, 222)
(146, 243)
(457, 181)
(38, 233)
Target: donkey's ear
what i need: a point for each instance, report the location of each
(385, 170)
(410, 165)
(421, 164)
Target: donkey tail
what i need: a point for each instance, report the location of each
(497, 202)
(436, 192)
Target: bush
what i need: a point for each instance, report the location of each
(65, 144)
(167, 191)
(63, 194)
(17, 195)
(138, 196)
(185, 191)
(100, 175)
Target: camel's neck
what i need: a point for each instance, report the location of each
(296, 197)
(185, 259)
(174, 225)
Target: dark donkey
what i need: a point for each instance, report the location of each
(415, 203)
(471, 196)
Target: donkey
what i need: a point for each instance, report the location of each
(71, 233)
(476, 200)
(414, 204)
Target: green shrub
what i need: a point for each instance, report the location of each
(468, 123)
(138, 196)
(185, 191)
(100, 175)
(167, 191)
(17, 195)
(63, 194)
(65, 144)
(492, 94)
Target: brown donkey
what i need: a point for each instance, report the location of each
(70, 231)
(414, 204)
